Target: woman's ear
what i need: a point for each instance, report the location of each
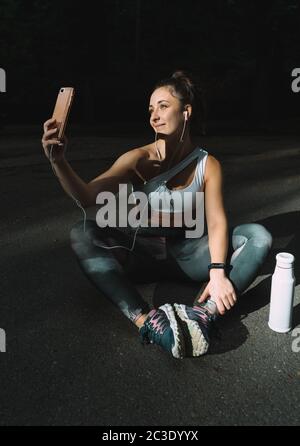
(187, 111)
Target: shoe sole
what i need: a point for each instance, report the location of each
(178, 348)
(199, 343)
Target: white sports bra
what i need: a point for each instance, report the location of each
(160, 199)
(160, 196)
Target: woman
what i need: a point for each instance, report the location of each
(227, 261)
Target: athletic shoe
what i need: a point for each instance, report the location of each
(198, 321)
(161, 328)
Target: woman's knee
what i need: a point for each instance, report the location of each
(87, 237)
(260, 236)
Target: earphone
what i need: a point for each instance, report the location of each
(76, 201)
(138, 227)
(186, 116)
(83, 210)
(163, 182)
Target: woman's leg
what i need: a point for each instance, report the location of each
(249, 245)
(113, 271)
(108, 268)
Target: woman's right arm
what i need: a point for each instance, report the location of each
(120, 172)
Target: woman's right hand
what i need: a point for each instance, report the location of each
(49, 140)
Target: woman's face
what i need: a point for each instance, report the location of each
(166, 115)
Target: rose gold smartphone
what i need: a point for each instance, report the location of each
(62, 109)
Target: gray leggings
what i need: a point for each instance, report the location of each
(115, 273)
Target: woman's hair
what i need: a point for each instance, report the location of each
(183, 87)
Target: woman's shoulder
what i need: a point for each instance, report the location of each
(213, 167)
(140, 153)
(146, 151)
(212, 160)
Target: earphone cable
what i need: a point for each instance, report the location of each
(75, 199)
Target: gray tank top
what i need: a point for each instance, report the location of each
(157, 185)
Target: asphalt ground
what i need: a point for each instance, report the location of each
(72, 359)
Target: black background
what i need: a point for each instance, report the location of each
(242, 54)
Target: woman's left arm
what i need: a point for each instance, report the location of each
(219, 287)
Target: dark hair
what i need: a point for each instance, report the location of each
(184, 88)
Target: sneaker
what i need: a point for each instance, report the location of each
(198, 321)
(161, 328)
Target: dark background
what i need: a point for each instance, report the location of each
(241, 52)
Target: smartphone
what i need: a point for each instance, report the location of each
(62, 109)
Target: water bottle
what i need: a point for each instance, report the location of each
(282, 293)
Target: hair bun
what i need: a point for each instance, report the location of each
(182, 76)
(178, 73)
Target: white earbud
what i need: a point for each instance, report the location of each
(186, 115)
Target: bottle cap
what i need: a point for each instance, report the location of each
(285, 259)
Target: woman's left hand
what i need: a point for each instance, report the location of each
(221, 290)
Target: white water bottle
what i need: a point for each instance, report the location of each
(282, 293)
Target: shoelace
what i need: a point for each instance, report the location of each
(205, 316)
(212, 328)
